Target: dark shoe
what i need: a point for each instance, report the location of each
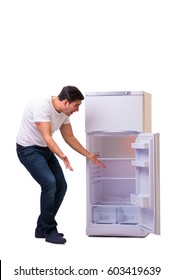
(39, 233)
(54, 237)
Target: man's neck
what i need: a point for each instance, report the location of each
(56, 103)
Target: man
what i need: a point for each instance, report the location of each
(38, 152)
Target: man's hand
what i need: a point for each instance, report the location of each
(67, 163)
(94, 159)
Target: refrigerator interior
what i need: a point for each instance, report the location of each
(116, 194)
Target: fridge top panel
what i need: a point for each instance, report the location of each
(118, 111)
(114, 93)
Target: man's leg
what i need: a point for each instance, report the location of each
(35, 160)
(61, 185)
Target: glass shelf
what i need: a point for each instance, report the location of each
(104, 158)
(113, 178)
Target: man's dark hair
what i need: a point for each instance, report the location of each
(70, 93)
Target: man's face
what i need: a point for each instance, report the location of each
(72, 107)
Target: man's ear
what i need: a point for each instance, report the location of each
(65, 102)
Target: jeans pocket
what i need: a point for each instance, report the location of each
(24, 154)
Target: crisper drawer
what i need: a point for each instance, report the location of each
(115, 215)
(104, 215)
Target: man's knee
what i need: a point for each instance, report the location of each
(49, 185)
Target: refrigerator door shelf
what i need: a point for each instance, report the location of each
(140, 163)
(140, 200)
(140, 145)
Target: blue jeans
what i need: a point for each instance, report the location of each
(44, 167)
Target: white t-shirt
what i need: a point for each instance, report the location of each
(39, 110)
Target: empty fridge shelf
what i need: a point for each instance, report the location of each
(113, 178)
(113, 200)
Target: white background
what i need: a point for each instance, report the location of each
(94, 45)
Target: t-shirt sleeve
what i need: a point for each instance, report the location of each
(41, 113)
(66, 120)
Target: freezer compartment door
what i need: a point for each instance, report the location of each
(118, 111)
(147, 196)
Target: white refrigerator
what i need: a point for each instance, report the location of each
(123, 199)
